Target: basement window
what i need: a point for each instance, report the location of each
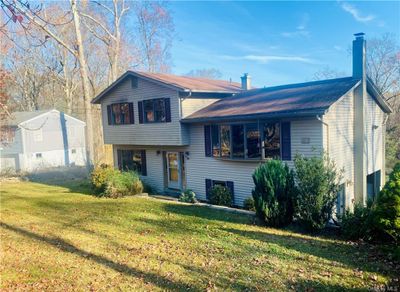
(38, 155)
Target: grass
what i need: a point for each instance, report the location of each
(59, 238)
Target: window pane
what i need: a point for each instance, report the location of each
(215, 140)
(238, 141)
(253, 141)
(159, 110)
(148, 110)
(125, 113)
(116, 113)
(225, 141)
(272, 140)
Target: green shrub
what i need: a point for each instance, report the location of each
(123, 184)
(100, 176)
(273, 191)
(317, 187)
(188, 196)
(358, 224)
(220, 195)
(387, 207)
(248, 204)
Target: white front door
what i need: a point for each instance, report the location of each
(174, 170)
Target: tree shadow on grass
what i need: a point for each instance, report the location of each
(206, 213)
(354, 256)
(312, 285)
(118, 267)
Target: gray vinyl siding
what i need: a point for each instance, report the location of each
(374, 134)
(142, 134)
(199, 167)
(189, 106)
(339, 140)
(52, 135)
(15, 146)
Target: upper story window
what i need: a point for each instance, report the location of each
(120, 113)
(154, 110)
(248, 141)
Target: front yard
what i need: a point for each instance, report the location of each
(59, 238)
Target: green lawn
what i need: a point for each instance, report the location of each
(57, 238)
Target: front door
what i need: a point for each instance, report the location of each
(174, 170)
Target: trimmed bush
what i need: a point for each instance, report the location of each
(387, 207)
(188, 196)
(273, 191)
(358, 224)
(123, 184)
(317, 187)
(220, 195)
(100, 176)
(248, 204)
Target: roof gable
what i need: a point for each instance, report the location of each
(24, 117)
(179, 83)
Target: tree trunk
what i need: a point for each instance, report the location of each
(87, 96)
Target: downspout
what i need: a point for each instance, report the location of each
(327, 132)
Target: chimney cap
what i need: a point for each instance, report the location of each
(359, 35)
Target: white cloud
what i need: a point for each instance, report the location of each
(301, 29)
(356, 13)
(268, 58)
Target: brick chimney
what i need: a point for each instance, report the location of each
(246, 83)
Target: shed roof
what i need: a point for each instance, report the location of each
(293, 99)
(179, 83)
(19, 117)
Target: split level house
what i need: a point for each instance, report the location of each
(192, 133)
(42, 139)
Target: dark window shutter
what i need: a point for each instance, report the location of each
(140, 108)
(119, 158)
(286, 147)
(229, 185)
(207, 141)
(109, 114)
(144, 165)
(208, 187)
(167, 110)
(131, 113)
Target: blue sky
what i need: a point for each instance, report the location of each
(275, 42)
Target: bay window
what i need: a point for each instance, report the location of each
(249, 141)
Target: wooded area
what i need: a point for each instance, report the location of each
(62, 54)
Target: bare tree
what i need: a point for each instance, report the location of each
(327, 73)
(210, 73)
(27, 16)
(155, 28)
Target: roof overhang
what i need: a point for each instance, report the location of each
(267, 116)
(380, 100)
(183, 92)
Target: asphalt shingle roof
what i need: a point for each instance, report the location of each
(19, 117)
(293, 98)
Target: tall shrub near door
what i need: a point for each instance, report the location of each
(317, 187)
(273, 191)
